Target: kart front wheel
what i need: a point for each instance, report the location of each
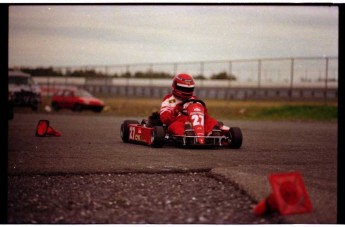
(124, 131)
(158, 136)
(235, 137)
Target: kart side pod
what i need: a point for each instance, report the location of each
(133, 132)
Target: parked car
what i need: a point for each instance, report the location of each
(22, 90)
(76, 100)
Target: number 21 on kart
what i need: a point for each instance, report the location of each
(198, 119)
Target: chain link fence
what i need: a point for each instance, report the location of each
(286, 78)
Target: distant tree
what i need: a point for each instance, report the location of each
(139, 75)
(40, 71)
(85, 73)
(200, 77)
(126, 75)
(223, 76)
(151, 74)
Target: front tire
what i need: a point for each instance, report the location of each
(235, 137)
(124, 131)
(158, 135)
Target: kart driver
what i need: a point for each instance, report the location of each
(170, 112)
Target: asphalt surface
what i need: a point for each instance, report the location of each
(88, 175)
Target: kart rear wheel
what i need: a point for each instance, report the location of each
(124, 132)
(158, 135)
(235, 137)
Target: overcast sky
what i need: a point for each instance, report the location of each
(74, 35)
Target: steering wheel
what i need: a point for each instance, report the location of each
(193, 101)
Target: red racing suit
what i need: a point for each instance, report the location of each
(176, 121)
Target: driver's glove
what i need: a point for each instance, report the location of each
(177, 109)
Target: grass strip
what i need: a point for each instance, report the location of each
(229, 109)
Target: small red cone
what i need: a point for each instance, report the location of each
(265, 206)
(260, 208)
(289, 195)
(42, 128)
(53, 132)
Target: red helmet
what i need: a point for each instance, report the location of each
(183, 86)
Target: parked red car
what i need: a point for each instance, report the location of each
(76, 100)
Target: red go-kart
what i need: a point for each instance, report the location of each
(153, 133)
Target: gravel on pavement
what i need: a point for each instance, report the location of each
(129, 198)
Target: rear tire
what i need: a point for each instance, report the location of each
(55, 106)
(78, 107)
(124, 131)
(97, 109)
(158, 135)
(235, 137)
(34, 107)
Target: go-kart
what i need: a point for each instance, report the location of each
(152, 132)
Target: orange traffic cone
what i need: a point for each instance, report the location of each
(43, 129)
(289, 195)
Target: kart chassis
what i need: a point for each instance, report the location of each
(152, 132)
(134, 132)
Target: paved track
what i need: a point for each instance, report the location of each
(91, 144)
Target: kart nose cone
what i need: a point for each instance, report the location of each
(201, 140)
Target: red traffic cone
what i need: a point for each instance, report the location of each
(53, 132)
(266, 206)
(289, 195)
(43, 129)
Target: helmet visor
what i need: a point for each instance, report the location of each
(185, 88)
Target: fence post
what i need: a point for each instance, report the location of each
(150, 81)
(127, 81)
(202, 73)
(259, 77)
(326, 81)
(230, 73)
(106, 70)
(202, 68)
(175, 69)
(227, 94)
(291, 78)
